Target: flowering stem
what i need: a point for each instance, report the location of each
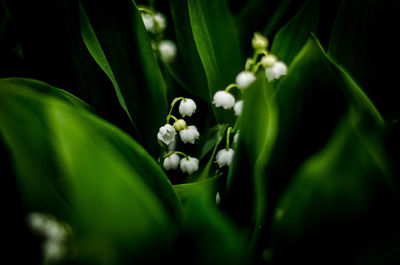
(255, 67)
(171, 116)
(229, 87)
(228, 134)
(172, 106)
(249, 63)
(176, 152)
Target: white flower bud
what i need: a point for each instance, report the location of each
(276, 71)
(189, 134)
(223, 99)
(259, 41)
(179, 125)
(167, 50)
(224, 157)
(245, 79)
(160, 22)
(268, 60)
(187, 107)
(171, 162)
(166, 134)
(217, 199)
(189, 164)
(238, 107)
(148, 22)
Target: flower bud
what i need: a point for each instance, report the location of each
(148, 22)
(179, 125)
(268, 60)
(160, 22)
(166, 134)
(171, 162)
(189, 134)
(189, 165)
(224, 157)
(259, 42)
(187, 107)
(223, 99)
(245, 79)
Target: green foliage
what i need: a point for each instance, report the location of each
(314, 177)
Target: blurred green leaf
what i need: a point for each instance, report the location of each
(339, 196)
(188, 68)
(115, 35)
(208, 237)
(217, 43)
(94, 175)
(291, 38)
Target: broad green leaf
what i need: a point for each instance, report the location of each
(245, 193)
(339, 197)
(368, 58)
(291, 38)
(209, 237)
(94, 175)
(188, 69)
(116, 37)
(217, 44)
(188, 190)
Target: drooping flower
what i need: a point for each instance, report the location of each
(171, 162)
(224, 157)
(166, 134)
(189, 164)
(223, 99)
(238, 107)
(276, 71)
(148, 22)
(167, 50)
(245, 79)
(160, 22)
(187, 107)
(268, 60)
(189, 134)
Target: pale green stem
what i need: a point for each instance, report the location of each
(228, 134)
(171, 116)
(172, 106)
(177, 152)
(229, 87)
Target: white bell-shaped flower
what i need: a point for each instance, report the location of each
(189, 134)
(187, 107)
(167, 50)
(166, 134)
(223, 99)
(189, 165)
(238, 107)
(276, 71)
(160, 22)
(245, 79)
(148, 22)
(171, 162)
(224, 157)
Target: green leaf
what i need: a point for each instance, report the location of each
(340, 195)
(188, 69)
(291, 38)
(258, 128)
(94, 175)
(116, 37)
(217, 43)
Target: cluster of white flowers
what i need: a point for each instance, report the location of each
(187, 133)
(156, 23)
(274, 69)
(55, 234)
